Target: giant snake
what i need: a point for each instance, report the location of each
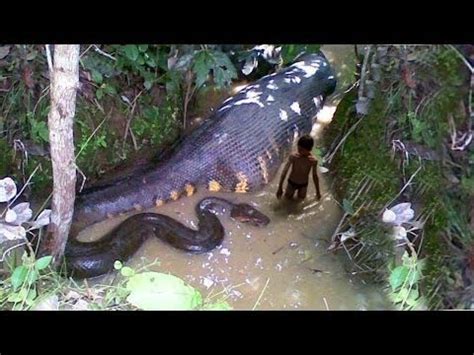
(239, 149)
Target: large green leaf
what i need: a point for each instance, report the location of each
(43, 262)
(217, 61)
(202, 65)
(413, 297)
(19, 276)
(158, 291)
(97, 76)
(398, 276)
(143, 47)
(30, 298)
(224, 70)
(131, 51)
(18, 296)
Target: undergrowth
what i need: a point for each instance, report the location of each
(402, 146)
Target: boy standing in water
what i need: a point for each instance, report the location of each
(301, 163)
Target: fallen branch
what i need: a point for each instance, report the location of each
(133, 104)
(98, 50)
(10, 249)
(403, 188)
(326, 304)
(343, 139)
(86, 50)
(460, 55)
(261, 294)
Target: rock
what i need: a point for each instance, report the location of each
(50, 303)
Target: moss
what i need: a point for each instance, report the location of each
(366, 154)
(365, 157)
(5, 158)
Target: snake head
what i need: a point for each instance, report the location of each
(245, 213)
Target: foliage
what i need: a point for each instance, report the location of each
(405, 283)
(157, 124)
(20, 291)
(218, 63)
(158, 291)
(415, 110)
(291, 51)
(33, 285)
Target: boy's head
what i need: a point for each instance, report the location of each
(305, 144)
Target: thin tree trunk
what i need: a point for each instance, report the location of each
(64, 78)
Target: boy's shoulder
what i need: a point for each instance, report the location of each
(294, 156)
(312, 159)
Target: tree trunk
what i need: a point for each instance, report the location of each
(64, 78)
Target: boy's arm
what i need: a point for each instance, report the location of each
(316, 179)
(283, 176)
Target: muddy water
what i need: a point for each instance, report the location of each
(284, 265)
(281, 266)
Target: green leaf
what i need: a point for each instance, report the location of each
(157, 291)
(151, 62)
(19, 276)
(398, 276)
(347, 206)
(127, 271)
(131, 52)
(403, 293)
(143, 47)
(39, 130)
(287, 53)
(102, 142)
(30, 298)
(148, 84)
(224, 70)
(313, 48)
(97, 77)
(140, 60)
(202, 65)
(17, 296)
(32, 277)
(290, 51)
(99, 93)
(43, 262)
(217, 61)
(409, 261)
(414, 276)
(412, 298)
(43, 132)
(110, 89)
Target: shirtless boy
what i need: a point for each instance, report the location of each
(301, 164)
